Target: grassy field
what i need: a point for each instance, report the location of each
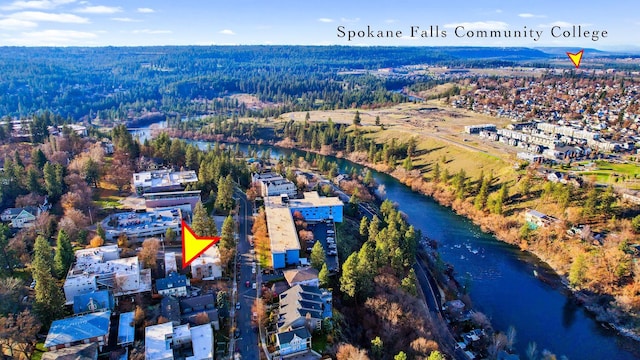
(620, 174)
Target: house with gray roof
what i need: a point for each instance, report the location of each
(303, 306)
(293, 342)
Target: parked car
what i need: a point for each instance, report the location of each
(253, 286)
(246, 283)
(238, 305)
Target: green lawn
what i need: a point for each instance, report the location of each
(627, 175)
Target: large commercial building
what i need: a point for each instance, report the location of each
(102, 268)
(285, 246)
(272, 184)
(139, 225)
(162, 180)
(90, 328)
(185, 200)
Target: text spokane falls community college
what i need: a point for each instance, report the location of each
(436, 31)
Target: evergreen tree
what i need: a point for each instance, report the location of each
(100, 231)
(374, 228)
(445, 176)
(591, 203)
(317, 256)
(377, 120)
(436, 172)
(63, 257)
(407, 164)
(324, 276)
(481, 199)
(53, 180)
(436, 355)
(202, 223)
(224, 197)
(92, 172)
(400, 356)
(500, 199)
(49, 303)
(364, 227)
(356, 119)
(377, 347)
(33, 180)
(38, 159)
(409, 283)
(227, 239)
(578, 270)
(349, 278)
(368, 178)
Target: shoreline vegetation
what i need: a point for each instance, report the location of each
(546, 244)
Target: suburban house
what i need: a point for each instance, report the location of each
(192, 306)
(166, 342)
(293, 342)
(537, 219)
(89, 328)
(207, 266)
(305, 276)
(174, 284)
(170, 309)
(102, 268)
(303, 306)
(20, 217)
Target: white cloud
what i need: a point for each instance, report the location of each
(15, 24)
(151, 32)
(226, 32)
(37, 16)
(498, 11)
(530, 15)
(125, 19)
(325, 20)
(391, 21)
(100, 9)
(347, 20)
(146, 10)
(53, 38)
(35, 4)
(480, 25)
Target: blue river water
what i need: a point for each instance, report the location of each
(503, 285)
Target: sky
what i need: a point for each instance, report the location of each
(216, 22)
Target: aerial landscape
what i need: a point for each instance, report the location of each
(190, 181)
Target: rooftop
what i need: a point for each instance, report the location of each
(173, 280)
(157, 341)
(311, 199)
(298, 275)
(163, 178)
(78, 352)
(78, 328)
(282, 230)
(126, 329)
(202, 342)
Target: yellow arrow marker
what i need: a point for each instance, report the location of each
(576, 58)
(194, 245)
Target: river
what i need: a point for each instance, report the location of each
(502, 282)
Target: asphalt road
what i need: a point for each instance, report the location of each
(247, 344)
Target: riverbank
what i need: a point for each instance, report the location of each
(503, 228)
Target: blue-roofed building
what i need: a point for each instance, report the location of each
(294, 342)
(90, 328)
(94, 301)
(126, 329)
(174, 284)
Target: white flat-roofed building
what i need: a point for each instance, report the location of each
(272, 184)
(185, 200)
(201, 342)
(285, 247)
(313, 207)
(143, 224)
(101, 268)
(158, 340)
(162, 180)
(208, 265)
(170, 263)
(161, 339)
